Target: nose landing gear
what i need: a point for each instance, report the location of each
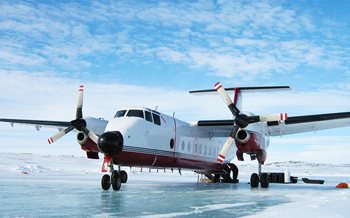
(117, 176)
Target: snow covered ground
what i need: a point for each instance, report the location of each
(37, 185)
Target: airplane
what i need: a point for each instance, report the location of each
(141, 137)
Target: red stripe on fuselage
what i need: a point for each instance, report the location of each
(140, 159)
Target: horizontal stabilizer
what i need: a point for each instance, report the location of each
(243, 89)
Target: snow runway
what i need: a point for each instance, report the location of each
(36, 185)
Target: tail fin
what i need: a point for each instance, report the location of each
(236, 91)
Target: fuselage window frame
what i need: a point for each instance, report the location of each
(156, 119)
(120, 113)
(135, 113)
(148, 116)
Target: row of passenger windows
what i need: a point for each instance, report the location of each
(151, 117)
(199, 149)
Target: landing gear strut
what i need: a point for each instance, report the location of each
(116, 179)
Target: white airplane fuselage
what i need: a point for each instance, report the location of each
(172, 143)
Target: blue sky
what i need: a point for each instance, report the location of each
(151, 53)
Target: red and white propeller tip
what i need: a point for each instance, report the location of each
(224, 150)
(222, 92)
(79, 113)
(59, 135)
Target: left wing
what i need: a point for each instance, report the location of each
(38, 123)
(292, 125)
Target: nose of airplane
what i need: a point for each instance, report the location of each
(110, 143)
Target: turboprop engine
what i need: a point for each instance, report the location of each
(242, 136)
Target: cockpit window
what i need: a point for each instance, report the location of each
(135, 113)
(120, 113)
(148, 116)
(156, 119)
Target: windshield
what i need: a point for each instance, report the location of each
(120, 113)
(135, 113)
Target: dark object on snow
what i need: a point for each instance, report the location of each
(313, 181)
(293, 179)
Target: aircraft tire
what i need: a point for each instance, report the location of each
(106, 182)
(254, 180)
(264, 180)
(116, 181)
(123, 176)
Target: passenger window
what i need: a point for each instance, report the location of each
(120, 113)
(135, 113)
(156, 119)
(148, 116)
(183, 145)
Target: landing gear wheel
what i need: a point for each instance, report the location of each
(254, 180)
(264, 180)
(116, 181)
(216, 178)
(106, 182)
(123, 176)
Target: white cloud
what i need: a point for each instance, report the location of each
(228, 39)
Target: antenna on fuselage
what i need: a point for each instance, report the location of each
(156, 108)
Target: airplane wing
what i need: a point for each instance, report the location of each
(37, 123)
(310, 123)
(292, 125)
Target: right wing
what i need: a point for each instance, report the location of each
(309, 123)
(293, 125)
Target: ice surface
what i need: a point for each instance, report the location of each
(36, 185)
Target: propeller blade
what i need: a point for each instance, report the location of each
(227, 145)
(274, 117)
(90, 134)
(222, 92)
(79, 113)
(60, 135)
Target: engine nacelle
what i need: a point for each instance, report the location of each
(82, 138)
(86, 143)
(242, 136)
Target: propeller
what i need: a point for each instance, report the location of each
(78, 123)
(241, 121)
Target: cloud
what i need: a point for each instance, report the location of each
(240, 40)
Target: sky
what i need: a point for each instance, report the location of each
(151, 53)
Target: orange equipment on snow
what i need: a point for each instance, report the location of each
(342, 185)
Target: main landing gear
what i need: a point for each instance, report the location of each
(116, 178)
(224, 175)
(262, 178)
